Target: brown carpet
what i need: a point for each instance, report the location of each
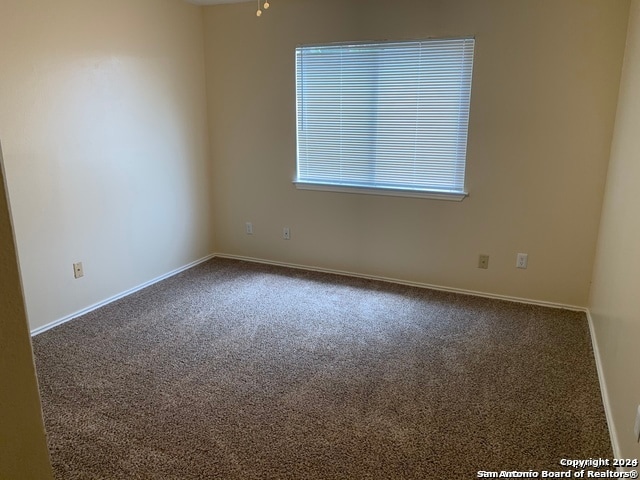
(235, 370)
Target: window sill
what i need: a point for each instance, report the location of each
(394, 192)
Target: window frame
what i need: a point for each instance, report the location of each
(418, 192)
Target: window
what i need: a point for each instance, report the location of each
(384, 118)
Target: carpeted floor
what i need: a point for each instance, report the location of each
(234, 370)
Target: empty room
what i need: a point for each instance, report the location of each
(319, 239)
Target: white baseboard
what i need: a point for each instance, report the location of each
(462, 291)
(102, 303)
(613, 434)
(95, 306)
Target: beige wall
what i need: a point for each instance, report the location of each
(23, 447)
(104, 128)
(615, 299)
(544, 94)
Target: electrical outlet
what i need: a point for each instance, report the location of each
(249, 228)
(636, 429)
(77, 270)
(483, 261)
(522, 260)
(286, 233)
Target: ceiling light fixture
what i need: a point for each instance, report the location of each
(264, 6)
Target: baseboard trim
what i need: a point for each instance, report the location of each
(60, 321)
(613, 434)
(441, 288)
(95, 306)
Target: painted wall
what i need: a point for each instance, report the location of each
(23, 446)
(104, 127)
(614, 302)
(545, 84)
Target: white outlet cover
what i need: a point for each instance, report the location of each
(636, 429)
(522, 260)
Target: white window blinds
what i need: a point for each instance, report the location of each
(390, 115)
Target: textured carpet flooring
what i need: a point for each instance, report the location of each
(234, 370)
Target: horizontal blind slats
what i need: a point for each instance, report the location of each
(384, 115)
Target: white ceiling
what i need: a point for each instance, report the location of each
(216, 2)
